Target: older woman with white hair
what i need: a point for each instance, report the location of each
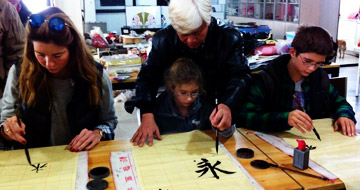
(217, 51)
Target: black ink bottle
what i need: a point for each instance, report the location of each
(301, 155)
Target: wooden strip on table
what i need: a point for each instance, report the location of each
(100, 156)
(282, 159)
(271, 178)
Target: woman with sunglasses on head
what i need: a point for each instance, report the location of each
(293, 89)
(181, 107)
(60, 93)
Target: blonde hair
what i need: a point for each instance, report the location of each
(34, 78)
(183, 71)
(188, 15)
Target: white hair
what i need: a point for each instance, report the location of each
(188, 15)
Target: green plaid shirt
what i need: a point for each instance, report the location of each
(253, 116)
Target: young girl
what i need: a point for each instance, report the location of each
(64, 97)
(180, 108)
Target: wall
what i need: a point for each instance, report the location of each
(349, 29)
(113, 16)
(329, 18)
(73, 9)
(89, 9)
(321, 13)
(36, 6)
(114, 21)
(348, 6)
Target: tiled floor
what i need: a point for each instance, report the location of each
(347, 60)
(128, 122)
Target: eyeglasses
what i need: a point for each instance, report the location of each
(56, 24)
(310, 63)
(185, 94)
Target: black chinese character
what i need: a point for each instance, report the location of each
(206, 166)
(38, 167)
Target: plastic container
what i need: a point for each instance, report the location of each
(263, 28)
(250, 30)
(121, 62)
(290, 36)
(269, 49)
(282, 47)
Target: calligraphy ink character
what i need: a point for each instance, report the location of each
(206, 166)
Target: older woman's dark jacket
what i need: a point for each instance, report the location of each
(220, 58)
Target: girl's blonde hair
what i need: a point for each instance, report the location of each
(34, 78)
(183, 71)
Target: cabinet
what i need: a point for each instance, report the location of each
(281, 10)
(286, 15)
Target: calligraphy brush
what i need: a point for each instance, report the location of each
(217, 130)
(302, 109)
(299, 172)
(25, 147)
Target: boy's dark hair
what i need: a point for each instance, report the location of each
(183, 71)
(313, 39)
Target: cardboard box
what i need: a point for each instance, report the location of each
(126, 39)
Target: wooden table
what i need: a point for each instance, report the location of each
(126, 84)
(271, 178)
(261, 61)
(121, 85)
(282, 159)
(100, 156)
(332, 69)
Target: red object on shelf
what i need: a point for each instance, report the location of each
(268, 49)
(98, 41)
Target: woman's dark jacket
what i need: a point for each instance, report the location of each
(220, 58)
(80, 113)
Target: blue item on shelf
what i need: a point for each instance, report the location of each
(263, 28)
(121, 78)
(250, 30)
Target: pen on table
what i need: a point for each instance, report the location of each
(217, 130)
(25, 147)
(302, 109)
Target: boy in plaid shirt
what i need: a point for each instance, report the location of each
(271, 105)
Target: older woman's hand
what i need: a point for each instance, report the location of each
(86, 140)
(221, 118)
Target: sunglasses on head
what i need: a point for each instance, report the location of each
(56, 24)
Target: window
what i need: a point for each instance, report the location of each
(112, 2)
